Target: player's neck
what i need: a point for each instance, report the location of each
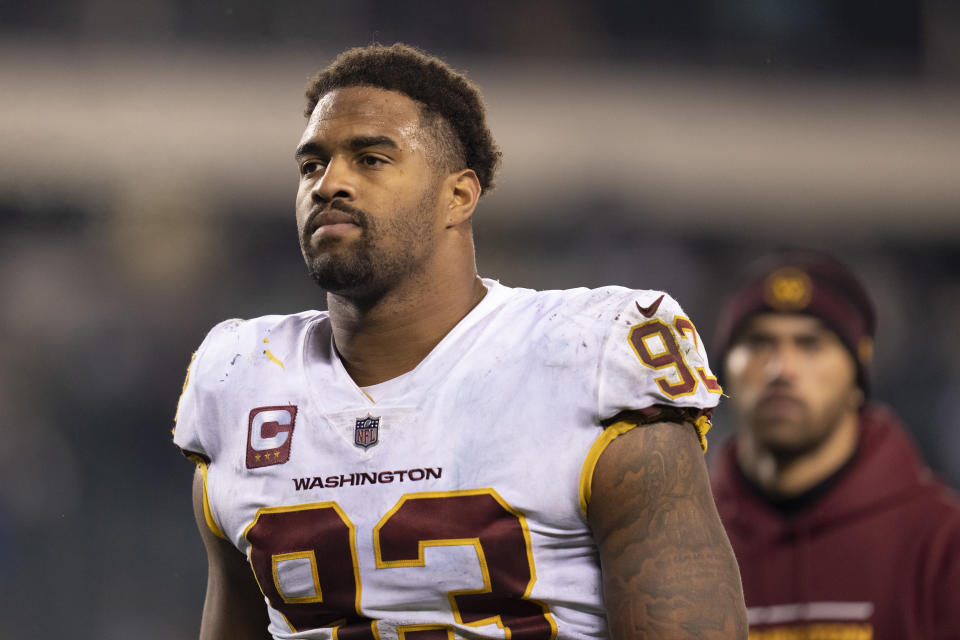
(391, 337)
(785, 476)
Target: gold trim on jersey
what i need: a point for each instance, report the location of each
(420, 561)
(352, 538)
(677, 361)
(685, 328)
(311, 557)
(207, 513)
(702, 426)
(403, 629)
(609, 434)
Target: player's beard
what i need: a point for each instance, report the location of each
(385, 253)
(788, 439)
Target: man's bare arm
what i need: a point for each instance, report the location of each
(234, 608)
(668, 568)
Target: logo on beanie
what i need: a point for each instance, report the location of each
(788, 289)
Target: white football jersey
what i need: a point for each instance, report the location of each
(449, 501)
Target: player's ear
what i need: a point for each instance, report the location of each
(857, 398)
(462, 193)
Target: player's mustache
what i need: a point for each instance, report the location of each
(360, 217)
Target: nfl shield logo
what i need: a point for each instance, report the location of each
(367, 431)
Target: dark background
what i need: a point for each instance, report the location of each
(147, 189)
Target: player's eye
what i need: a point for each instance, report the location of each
(309, 166)
(758, 343)
(810, 344)
(371, 161)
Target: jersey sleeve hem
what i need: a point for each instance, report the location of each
(207, 512)
(608, 435)
(699, 419)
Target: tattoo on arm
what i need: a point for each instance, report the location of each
(668, 568)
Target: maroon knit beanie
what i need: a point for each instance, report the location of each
(807, 282)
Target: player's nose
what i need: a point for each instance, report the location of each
(337, 181)
(782, 364)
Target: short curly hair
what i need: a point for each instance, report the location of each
(450, 104)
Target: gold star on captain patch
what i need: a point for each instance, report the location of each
(256, 457)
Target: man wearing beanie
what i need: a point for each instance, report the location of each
(840, 530)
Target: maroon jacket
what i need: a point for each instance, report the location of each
(876, 557)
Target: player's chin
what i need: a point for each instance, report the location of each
(327, 253)
(339, 274)
(783, 436)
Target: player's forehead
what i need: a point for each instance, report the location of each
(350, 112)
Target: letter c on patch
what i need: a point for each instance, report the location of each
(269, 429)
(269, 435)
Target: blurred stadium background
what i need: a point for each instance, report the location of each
(147, 189)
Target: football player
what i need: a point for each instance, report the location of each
(440, 455)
